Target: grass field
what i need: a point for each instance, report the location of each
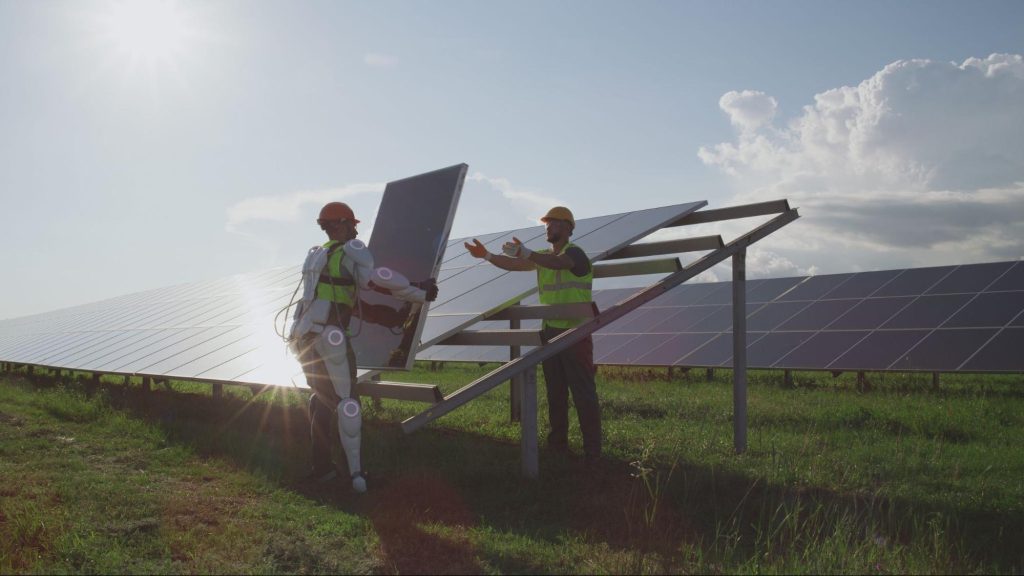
(903, 478)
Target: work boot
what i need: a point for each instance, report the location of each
(359, 482)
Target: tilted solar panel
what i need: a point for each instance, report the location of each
(944, 318)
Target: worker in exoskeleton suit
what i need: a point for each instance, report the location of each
(333, 275)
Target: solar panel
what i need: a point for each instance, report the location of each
(1013, 279)
(814, 287)
(871, 313)
(1001, 354)
(862, 284)
(928, 311)
(666, 352)
(970, 278)
(914, 281)
(989, 309)
(878, 350)
(944, 350)
(818, 315)
(772, 347)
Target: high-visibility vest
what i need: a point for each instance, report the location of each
(336, 281)
(563, 287)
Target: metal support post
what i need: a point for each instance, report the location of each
(528, 424)
(739, 351)
(711, 374)
(935, 381)
(515, 388)
(217, 390)
(787, 378)
(147, 383)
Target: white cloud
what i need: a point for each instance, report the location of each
(922, 163)
(379, 60)
(291, 206)
(526, 205)
(749, 109)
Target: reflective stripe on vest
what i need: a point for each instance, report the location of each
(342, 290)
(563, 287)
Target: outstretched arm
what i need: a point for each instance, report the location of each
(477, 250)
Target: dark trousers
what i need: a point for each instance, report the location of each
(573, 371)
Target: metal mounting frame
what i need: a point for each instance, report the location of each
(522, 369)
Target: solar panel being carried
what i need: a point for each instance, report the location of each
(966, 318)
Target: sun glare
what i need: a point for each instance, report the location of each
(147, 31)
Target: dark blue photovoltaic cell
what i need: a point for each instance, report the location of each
(633, 350)
(815, 287)
(765, 352)
(870, 314)
(862, 285)
(716, 351)
(684, 318)
(820, 350)
(928, 311)
(914, 281)
(1001, 354)
(718, 321)
(970, 278)
(723, 295)
(769, 289)
(1012, 280)
(605, 344)
(818, 315)
(687, 294)
(769, 316)
(1019, 320)
(943, 350)
(988, 309)
(638, 321)
(675, 347)
(878, 350)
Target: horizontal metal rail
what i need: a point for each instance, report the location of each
(733, 212)
(546, 311)
(569, 338)
(494, 338)
(695, 244)
(411, 392)
(637, 268)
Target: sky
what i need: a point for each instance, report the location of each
(147, 143)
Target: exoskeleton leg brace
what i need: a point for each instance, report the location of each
(334, 349)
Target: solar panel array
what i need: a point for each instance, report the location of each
(223, 330)
(953, 318)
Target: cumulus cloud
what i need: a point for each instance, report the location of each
(922, 163)
(379, 60)
(749, 109)
(289, 207)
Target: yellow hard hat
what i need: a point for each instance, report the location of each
(560, 213)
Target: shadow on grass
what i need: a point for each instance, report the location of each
(431, 491)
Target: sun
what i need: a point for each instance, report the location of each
(150, 32)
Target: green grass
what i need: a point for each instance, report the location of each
(903, 478)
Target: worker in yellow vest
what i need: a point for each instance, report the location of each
(564, 276)
(332, 277)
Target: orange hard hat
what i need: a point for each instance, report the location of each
(560, 213)
(336, 211)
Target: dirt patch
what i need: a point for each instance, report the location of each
(11, 420)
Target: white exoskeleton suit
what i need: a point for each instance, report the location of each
(319, 337)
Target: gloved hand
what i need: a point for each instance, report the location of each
(476, 249)
(429, 286)
(515, 249)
